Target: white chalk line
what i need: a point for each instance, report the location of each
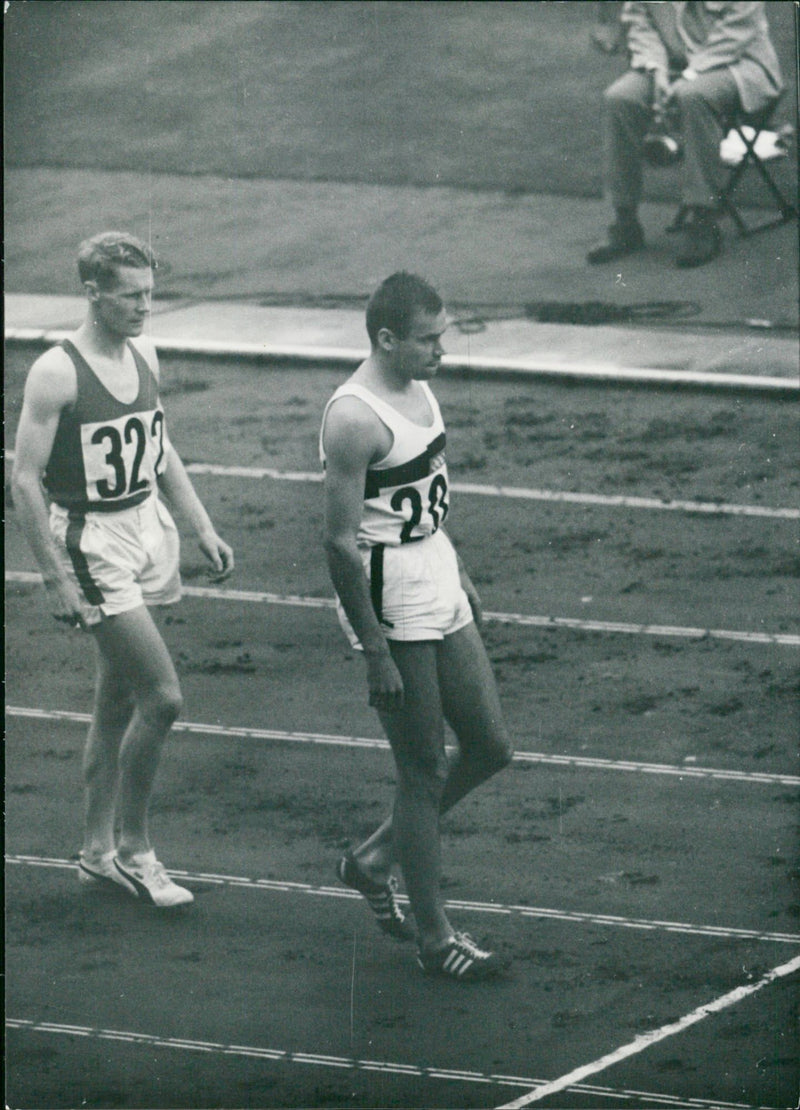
(524, 494)
(350, 1063)
(682, 771)
(644, 1040)
(218, 593)
(517, 493)
(496, 908)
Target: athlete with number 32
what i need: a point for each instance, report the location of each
(406, 601)
(92, 442)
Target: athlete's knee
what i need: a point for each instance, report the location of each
(501, 752)
(161, 705)
(498, 758)
(494, 753)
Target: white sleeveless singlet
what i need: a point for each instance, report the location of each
(406, 493)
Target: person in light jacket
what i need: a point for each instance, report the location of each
(701, 62)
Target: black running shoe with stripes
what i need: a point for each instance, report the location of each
(381, 897)
(461, 959)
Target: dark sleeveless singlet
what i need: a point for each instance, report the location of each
(106, 455)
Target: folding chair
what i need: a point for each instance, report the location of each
(748, 128)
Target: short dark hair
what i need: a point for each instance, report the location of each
(395, 301)
(100, 257)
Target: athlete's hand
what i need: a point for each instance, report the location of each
(65, 604)
(219, 554)
(384, 681)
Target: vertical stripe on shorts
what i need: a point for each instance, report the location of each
(91, 591)
(376, 583)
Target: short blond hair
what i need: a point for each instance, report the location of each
(100, 257)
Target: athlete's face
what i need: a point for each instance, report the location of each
(419, 355)
(123, 308)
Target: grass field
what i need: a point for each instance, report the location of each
(472, 95)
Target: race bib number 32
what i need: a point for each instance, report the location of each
(124, 456)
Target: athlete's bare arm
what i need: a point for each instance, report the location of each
(353, 438)
(179, 491)
(51, 386)
(177, 488)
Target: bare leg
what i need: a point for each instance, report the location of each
(131, 646)
(471, 704)
(376, 854)
(471, 707)
(416, 733)
(112, 713)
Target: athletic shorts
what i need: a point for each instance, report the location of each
(120, 560)
(416, 590)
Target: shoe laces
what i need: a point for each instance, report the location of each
(391, 885)
(465, 941)
(156, 873)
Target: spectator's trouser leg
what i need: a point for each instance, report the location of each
(703, 104)
(626, 117)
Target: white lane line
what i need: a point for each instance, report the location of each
(644, 1040)
(218, 593)
(525, 912)
(280, 1055)
(689, 771)
(523, 494)
(620, 501)
(786, 639)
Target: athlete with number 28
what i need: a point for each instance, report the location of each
(92, 456)
(406, 601)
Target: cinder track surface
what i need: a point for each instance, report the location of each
(275, 989)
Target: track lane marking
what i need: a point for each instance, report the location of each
(279, 1055)
(218, 593)
(523, 494)
(519, 493)
(537, 912)
(688, 771)
(644, 1040)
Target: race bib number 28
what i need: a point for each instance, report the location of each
(424, 518)
(121, 457)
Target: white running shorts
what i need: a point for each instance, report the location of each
(119, 560)
(416, 590)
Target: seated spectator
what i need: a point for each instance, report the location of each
(699, 63)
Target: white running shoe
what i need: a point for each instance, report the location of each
(149, 880)
(99, 873)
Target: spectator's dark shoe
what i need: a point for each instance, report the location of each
(701, 240)
(622, 239)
